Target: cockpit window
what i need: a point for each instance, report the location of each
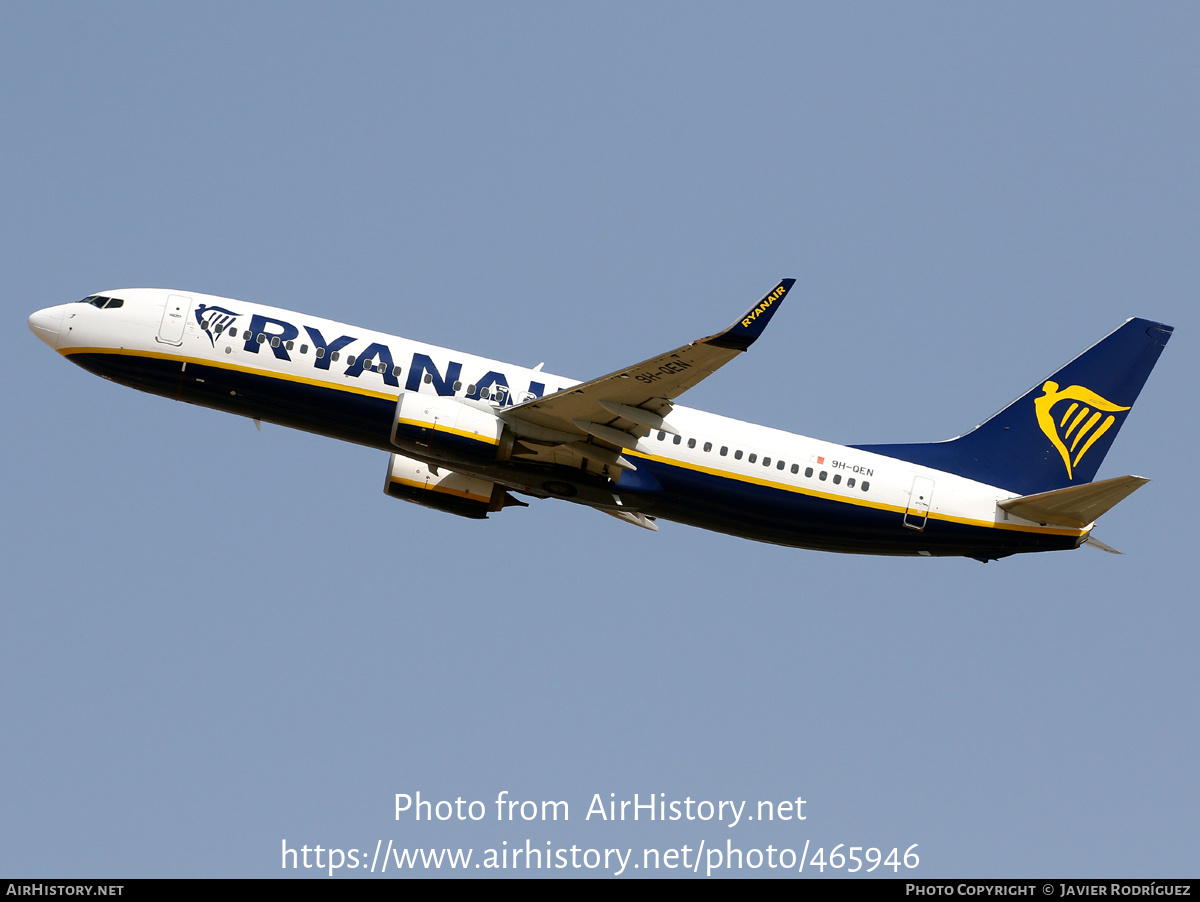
(102, 302)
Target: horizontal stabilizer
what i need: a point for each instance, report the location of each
(1096, 543)
(1075, 506)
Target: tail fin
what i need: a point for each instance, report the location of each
(1057, 434)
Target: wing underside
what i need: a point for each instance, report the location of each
(598, 419)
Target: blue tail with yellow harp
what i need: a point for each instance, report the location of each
(1057, 434)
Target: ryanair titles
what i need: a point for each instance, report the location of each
(764, 305)
(280, 338)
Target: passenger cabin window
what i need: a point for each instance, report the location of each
(724, 450)
(866, 485)
(458, 386)
(766, 461)
(822, 476)
(661, 436)
(752, 458)
(428, 378)
(396, 370)
(795, 468)
(262, 337)
(808, 472)
(677, 439)
(691, 443)
(320, 353)
(334, 356)
(850, 483)
(708, 446)
(275, 341)
(780, 465)
(837, 478)
(737, 455)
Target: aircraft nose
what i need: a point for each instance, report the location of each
(45, 324)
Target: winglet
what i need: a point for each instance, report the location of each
(746, 330)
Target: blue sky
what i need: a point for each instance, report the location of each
(218, 639)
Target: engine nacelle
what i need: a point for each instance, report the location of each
(454, 493)
(446, 429)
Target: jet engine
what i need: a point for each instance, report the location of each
(446, 429)
(445, 490)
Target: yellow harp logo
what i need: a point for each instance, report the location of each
(1081, 423)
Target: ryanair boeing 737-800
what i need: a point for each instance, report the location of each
(465, 433)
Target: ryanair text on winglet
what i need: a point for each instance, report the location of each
(766, 302)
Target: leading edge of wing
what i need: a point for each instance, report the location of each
(653, 382)
(618, 408)
(746, 330)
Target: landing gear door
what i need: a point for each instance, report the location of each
(175, 314)
(919, 500)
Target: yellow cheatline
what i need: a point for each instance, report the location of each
(233, 367)
(439, 490)
(857, 502)
(438, 427)
(725, 474)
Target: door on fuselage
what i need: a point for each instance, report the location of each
(175, 314)
(919, 500)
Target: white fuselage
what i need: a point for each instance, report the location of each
(265, 362)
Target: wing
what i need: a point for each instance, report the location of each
(598, 418)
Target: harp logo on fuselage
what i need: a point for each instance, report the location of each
(1081, 422)
(211, 317)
